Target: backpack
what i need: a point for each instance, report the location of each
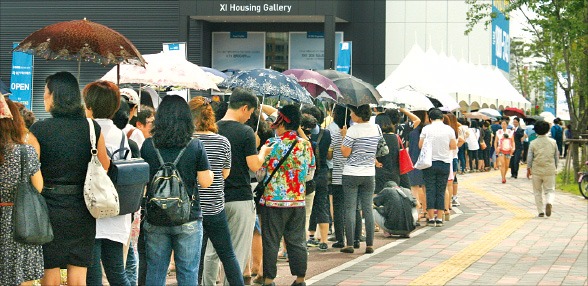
(505, 145)
(169, 202)
(129, 177)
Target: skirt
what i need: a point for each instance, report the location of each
(74, 228)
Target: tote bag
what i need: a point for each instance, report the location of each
(30, 215)
(404, 161)
(99, 192)
(426, 156)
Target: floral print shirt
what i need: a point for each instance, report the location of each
(287, 187)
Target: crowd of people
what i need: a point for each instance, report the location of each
(265, 182)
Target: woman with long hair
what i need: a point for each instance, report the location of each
(505, 147)
(20, 263)
(214, 217)
(172, 132)
(451, 190)
(65, 153)
(417, 183)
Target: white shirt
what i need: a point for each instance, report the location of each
(474, 139)
(441, 136)
(116, 228)
(136, 136)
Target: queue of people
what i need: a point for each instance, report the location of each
(313, 175)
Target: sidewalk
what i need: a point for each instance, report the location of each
(496, 238)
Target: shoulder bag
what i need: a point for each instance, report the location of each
(30, 215)
(382, 149)
(425, 159)
(404, 161)
(99, 192)
(260, 188)
(482, 142)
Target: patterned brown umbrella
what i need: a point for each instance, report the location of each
(81, 40)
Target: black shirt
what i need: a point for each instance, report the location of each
(65, 149)
(323, 147)
(518, 135)
(242, 139)
(193, 160)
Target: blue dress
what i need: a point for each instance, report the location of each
(415, 176)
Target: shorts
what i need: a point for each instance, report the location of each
(507, 156)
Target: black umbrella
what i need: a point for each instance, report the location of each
(333, 74)
(357, 92)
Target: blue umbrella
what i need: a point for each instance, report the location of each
(4, 90)
(269, 83)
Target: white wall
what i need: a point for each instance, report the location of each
(439, 24)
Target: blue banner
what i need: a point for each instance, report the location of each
(500, 40)
(21, 78)
(344, 58)
(549, 102)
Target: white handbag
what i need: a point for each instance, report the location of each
(426, 156)
(100, 194)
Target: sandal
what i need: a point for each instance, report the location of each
(447, 215)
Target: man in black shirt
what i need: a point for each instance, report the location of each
(519, 133)
(239, 204)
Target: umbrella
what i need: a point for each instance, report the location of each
(490, 112)
(81, 40)
(357, 92)
(269, 83)
(315, 83)
(4, 90)
(413, 99)
(164, 69)
(333, 74)
(513, 111)
(215, 72)
(476, 115)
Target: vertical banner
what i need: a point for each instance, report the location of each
(179, 50)
(307, 50)
(344, 58)
(562, 111)
(500, 37)
(238, 50)
(549, 102)
(21, 78)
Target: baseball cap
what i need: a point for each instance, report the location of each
(131, 95)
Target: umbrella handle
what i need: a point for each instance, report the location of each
(260, 111)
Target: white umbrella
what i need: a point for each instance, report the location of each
(413, 99)
(490, 112)
(164, 69)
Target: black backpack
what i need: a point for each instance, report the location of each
(169, 202)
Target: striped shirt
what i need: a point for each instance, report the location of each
(363, 139)
(338, 160)
(218, 150)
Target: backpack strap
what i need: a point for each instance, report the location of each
(121, 148)
(161, 162)
(130, 132)
(318, 143)
(281, 162)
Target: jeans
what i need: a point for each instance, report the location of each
(185, 241)
(216, 229)
(111, 254)
(131, 266)
(288, 223)
(473, 154)
(339, 214)
(241, 221)
(359, 188)
(436, 183)
(461, 156)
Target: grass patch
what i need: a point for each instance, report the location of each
(570, 187)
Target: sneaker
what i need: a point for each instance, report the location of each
(356, 244)
(369, 249)
(362, 238)
(312, 242)
(541, 215)
(283, 256)
(455, 202)
(438, 223)
(323, 246)
(332, 238)
(431, 222)
(338, 245)
(347, 249)
(548, 209)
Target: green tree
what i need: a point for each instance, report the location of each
(560, 37)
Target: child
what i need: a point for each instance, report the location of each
(542, 163)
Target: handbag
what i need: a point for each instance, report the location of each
(425, 159)
(482, 142)
(30, 216)
(260, 188)
(129, 177)
(99, 192)
(404, 161)
(382, 149)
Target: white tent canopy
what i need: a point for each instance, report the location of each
(441, 76)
